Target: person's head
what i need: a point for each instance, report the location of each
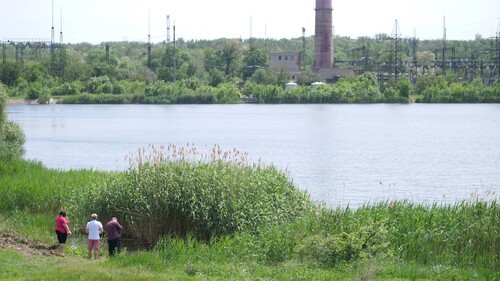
(62, 213)
(93, 216)
(114, 219)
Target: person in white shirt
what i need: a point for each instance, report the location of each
(94, 229)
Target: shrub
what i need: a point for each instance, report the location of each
(11, 135)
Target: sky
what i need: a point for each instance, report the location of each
(97, 21)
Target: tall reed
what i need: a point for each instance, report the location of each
(180, 190)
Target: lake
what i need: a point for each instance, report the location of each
(341, 154)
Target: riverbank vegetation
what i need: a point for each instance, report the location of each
(211, 215)
(217, 215)
(234, 71)
(11, 135)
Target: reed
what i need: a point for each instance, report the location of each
(180, 191)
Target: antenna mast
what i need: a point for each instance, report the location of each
(149, 38)
(52, 32)
(175, 62)
(61, 32)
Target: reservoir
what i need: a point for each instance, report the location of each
(342, 155)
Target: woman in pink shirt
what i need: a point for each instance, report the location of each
(62, 229)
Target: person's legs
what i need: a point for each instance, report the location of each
(61, 238)
(96, 248)
(112, 244)
(118, 246)
(90, 245)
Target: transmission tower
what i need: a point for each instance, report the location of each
(168, 41)
(62, 51)
(168, 29)
(497, 52)
(53, 55)
(396, 61)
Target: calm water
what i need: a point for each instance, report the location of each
(340, 154)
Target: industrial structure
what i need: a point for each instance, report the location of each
(36, 46)
(397, 58)
(323, 37)
(290, 60)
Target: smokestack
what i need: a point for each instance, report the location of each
(323, 38)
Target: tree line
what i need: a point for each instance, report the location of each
(214, 71)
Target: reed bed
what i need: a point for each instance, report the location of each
(179, 191)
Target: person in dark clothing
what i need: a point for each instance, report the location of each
(113, 233)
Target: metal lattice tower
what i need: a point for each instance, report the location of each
(443, 57)
(396, 50)
(168, 29)
(497, 51)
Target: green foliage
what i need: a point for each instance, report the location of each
(67, 89)
(213, 216)
(227, 93)
(441, 91)
(28, 186)
(11, 135)
(253, 59)
(10, 73)
(164, 193)
(307, 78)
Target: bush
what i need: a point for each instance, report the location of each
(11, 135)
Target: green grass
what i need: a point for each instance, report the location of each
(212, 216)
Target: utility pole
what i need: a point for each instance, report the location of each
(303, 53)
(175, 62)
(149, 39)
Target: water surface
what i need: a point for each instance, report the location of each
(341, 154)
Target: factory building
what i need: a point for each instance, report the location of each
(324, 63)
(290, 60)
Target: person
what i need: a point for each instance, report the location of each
(62, 229)
(113, 233)
(94, 229)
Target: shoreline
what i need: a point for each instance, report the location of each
(29, 101)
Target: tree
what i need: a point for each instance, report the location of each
(11, 135)
(231, 56)
(308, 77)
(426, 59)
(253, 59)
(404, 87)
(9, 73)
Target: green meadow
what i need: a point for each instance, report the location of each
(212, 215)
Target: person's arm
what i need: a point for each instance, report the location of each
(67, 228)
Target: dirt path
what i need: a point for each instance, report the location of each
(28, 248)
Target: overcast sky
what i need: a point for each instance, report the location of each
(98, 21)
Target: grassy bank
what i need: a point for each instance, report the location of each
(211, 215)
